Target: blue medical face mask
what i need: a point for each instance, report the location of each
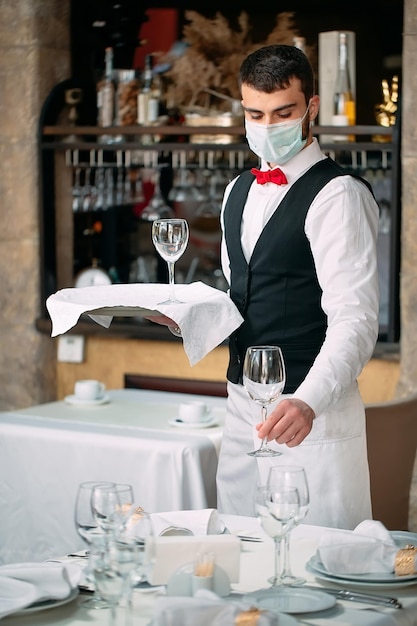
(276, 143)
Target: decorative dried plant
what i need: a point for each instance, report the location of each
(213, 57)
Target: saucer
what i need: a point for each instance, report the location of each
(212, 421)
(79, 401)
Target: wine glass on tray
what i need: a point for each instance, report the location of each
(170, 238)
(291, 476)
(264, 380)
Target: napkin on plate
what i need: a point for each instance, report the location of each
(368, 549)
(22, 584)
(206, 317)
(199, 522)
(206, 609)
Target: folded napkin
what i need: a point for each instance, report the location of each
(22, 584)
(199, 522)
(207, 609)
(368, 549)
(206, 317)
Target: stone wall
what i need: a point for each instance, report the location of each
(34, 56)
(408, 284)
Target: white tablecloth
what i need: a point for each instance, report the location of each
(47, 450)
(256, 567)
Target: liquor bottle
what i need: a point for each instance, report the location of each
(300, 43)
(149, 96)
(344, 102)
(106, 93)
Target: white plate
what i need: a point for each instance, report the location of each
(48, 604)
(361, 584)
(292, 600)
(205, 424)
(74, 400)
(401, 538)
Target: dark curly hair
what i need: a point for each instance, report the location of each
(270, 68)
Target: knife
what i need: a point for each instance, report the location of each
(355, 596)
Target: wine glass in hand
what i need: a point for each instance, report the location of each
(170, 238)
(91, 533)
(282, 476)
(264, 380)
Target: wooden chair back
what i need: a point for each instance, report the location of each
(392, 446)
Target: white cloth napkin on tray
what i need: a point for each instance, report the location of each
(206, 317)
(22, 584)
(368, 549)
(205, 609)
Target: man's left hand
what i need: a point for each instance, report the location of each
(290, 423)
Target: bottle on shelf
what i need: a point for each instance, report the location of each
(106, 93)
(300, 43)
(149, 95)
(344, 102)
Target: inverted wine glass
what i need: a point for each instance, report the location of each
(282, 476)
(264, 380)
(170, 238)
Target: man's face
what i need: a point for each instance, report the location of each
(280, 106)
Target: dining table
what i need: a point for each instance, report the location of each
(256, 566)
(130, 436)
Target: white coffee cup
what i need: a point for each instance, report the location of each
(89, 389)
(194, 411)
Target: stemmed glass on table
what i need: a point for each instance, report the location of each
(113, 567)
(112, 506)
(170, 238)
(91, 533)
(276, 509)
(264, 380)
(282, 476)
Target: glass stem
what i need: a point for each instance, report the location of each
(277, 576)
(264, 443)
(286, 568)
(171, 280)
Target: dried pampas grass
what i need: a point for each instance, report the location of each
(213, 57)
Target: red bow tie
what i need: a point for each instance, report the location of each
(276, 176)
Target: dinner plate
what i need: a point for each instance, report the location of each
(292, 600)
(361, 584)
(78, 401)
(204, 424)
(48, 604)
(401, 538)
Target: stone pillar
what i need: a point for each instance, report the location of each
(34, 56)
(408, 284)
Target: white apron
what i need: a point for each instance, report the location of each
(334, 456)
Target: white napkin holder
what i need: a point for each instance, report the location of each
(171, 553)
(181, 583)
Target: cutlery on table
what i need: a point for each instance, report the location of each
(356, 596)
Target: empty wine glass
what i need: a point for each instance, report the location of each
(170, 238)
(91, 533)
(112, 570)
(276, 509)
(264, 380)
(140, 528)
(112, 505)
(291, 476)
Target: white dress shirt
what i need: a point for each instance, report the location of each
(341, 226)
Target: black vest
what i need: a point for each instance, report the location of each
(278, 293)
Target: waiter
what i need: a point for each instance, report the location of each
(299, 254)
